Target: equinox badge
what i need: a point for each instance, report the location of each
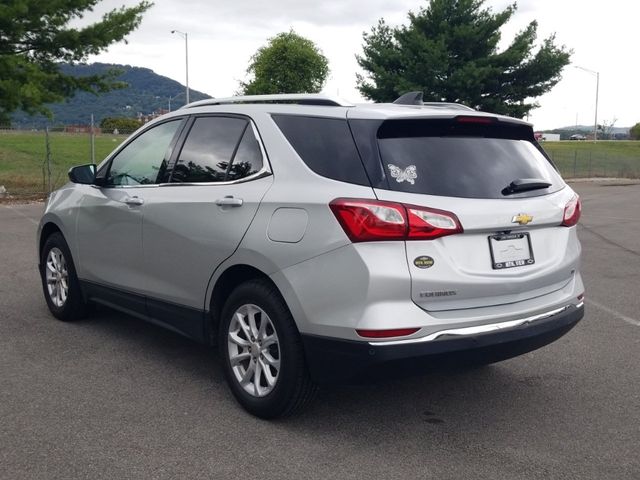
(522, 219)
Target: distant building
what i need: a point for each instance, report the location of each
(146, 118)
(547, 137)
(81, 129)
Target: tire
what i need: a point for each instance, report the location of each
(58, 276)
(283, 385)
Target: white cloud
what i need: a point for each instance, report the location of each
(224, 34)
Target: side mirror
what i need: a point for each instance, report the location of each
(84, 174)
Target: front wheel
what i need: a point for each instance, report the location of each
(59, 281)
(262, 352)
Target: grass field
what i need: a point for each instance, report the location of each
(22, 156)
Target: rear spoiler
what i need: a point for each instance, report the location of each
(460, 125)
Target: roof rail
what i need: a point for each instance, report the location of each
(415, 98)
(298, 98)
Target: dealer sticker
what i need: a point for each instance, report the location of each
(423, 261)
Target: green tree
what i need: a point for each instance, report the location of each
(289, 63)
(449, 50)
(122, 124)
(634, 132)
(36, 37)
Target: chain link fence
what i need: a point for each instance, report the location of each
(597, 160)
(35, 162)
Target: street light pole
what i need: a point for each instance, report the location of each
(186, 59)
(595, 122)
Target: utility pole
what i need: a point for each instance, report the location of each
(595, 122)
(93, 141)
(173, 98)
(47, 169)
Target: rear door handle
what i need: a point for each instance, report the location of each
(134, 201)
(230, 201)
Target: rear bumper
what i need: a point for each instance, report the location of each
(332, 360)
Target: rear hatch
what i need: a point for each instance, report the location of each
(504, 199)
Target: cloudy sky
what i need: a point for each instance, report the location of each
(223, 34)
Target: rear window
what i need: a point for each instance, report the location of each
(474, 162)
(325, 145)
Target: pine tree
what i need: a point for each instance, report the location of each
(35, 38)
(449, 50)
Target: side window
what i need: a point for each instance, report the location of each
(209, 150)
(248, 158)
(325, 145)
(141, 161)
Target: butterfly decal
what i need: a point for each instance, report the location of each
(409, 174)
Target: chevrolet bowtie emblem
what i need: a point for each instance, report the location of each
(522, 219)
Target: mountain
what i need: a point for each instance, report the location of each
(616, 133)
(147, 91)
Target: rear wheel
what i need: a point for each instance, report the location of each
(262, 352)
(59, 281)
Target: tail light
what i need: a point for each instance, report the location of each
(375, 220)
(368, 220)
(572, 211)
(429, 223)
(396, 332)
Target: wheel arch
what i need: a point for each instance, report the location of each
(48, 228)
(225, 283)
(228, 280)
(50, 224)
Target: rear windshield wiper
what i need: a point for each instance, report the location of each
(524, 185)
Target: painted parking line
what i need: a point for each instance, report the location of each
(611, 311)
(35, 222)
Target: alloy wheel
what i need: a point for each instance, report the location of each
(254, 350)
(57, 277)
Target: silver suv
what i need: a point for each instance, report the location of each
(316, 241)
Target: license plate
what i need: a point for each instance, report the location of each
(510, 250)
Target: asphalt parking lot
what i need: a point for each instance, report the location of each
(113, 397)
